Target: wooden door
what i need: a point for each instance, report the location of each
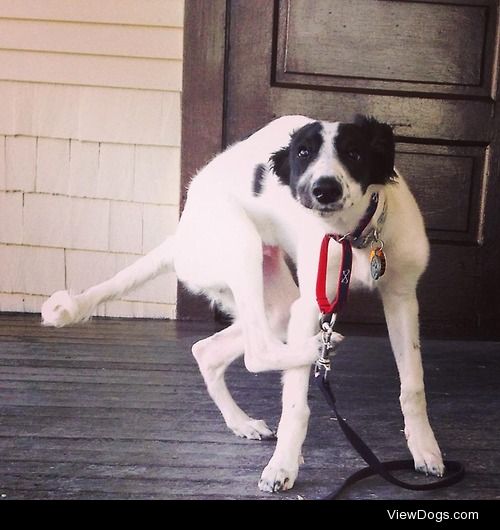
(429, 68)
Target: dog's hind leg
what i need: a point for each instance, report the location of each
(62, 308)
(217, 352)
(213, 355)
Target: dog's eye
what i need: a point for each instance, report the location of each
(354, 155)
(303, 152)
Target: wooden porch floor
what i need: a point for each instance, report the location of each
(116, 409)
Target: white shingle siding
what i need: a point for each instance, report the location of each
(20, 163)
(83, 168)
(89, 146)
(46, 220)
(125, 227)
(11, 208)
(94, 114)
(157, 171)
(31, 270)
(168, 13)
(157, 220)
(115, 176)
(3, 182)
(52, 166)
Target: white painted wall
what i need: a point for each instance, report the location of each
(89, 146)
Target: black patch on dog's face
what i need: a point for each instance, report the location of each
(280, 164)
(366, 149)
(290, 162)
(258, 179)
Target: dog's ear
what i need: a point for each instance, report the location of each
(280, 164)
(382, 148)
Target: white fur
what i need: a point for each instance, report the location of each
(218, 250)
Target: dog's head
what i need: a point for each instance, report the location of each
(329, 166)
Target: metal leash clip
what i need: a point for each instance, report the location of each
(323, 364)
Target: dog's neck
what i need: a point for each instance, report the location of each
(347, 220)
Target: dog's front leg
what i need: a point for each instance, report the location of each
(282, 470)
(401, 311)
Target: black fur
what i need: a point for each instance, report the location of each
(287, 162)
(366, 149)
(280, 164)
(258, 179)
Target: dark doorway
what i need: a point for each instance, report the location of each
(429, 68)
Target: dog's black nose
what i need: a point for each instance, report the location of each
(327, 190)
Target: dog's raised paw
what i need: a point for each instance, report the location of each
(275, 479)
(253, 430)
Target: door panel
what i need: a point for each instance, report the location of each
(448, 182)
(391, 45)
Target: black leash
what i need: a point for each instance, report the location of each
(454, 470)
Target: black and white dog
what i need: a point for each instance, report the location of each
(278, 192)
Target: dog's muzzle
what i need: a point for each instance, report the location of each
(326, 193)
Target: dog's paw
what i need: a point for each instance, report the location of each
(252, 429)
(426, 454)
(60, 310)
(429, 462)
(315, 345)
(276, 477)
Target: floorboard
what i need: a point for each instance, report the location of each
(116, 409)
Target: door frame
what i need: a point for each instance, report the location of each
(203, 94)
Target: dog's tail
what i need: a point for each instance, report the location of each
(62, 308)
